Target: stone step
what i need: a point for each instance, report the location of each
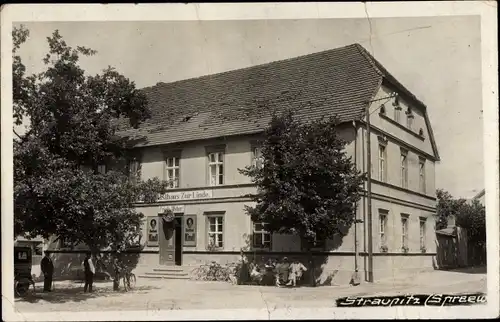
(166, 273)
(169, 270)
(165, 277)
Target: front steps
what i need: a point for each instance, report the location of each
(167, 272)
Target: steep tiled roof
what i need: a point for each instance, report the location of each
(335, 82)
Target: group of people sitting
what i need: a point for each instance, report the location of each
(284, 273)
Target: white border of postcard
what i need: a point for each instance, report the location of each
(142, 12)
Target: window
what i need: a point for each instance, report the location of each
(404, 169)
(382, 162)
(257, 160)
(421, 169)
(397, 110)
(382, 109)
(101, 168)
(397, 114)
(134, 167)
(383, 227)
(404, 231)
(216, 168)
(261, 237)
(216, 231)
(409, 119)
(422, 232)
(172, 171)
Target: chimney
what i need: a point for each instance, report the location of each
(451, 221)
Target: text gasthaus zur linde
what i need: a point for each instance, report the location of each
(413, 300)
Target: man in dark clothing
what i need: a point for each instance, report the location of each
(89, 270)
(47, 268)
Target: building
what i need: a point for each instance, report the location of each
(203, 130)
(480, 197)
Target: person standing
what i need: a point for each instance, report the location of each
(283, 271)
(47, 268)
(296, 270)
(89, 270)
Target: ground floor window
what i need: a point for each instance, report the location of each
(261, 236)
(422, 233)
(216, 231)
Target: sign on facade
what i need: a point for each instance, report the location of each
(176, 209)
(186, 195)
(152, 231)
(190, 231)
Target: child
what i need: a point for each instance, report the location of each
(296, 270)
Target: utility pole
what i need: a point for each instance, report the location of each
(369, 196)
(369, 184)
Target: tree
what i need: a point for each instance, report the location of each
(447, 206)
(468, 215)
(308, 185)
(74, 123)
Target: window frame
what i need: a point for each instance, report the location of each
(263, 232)
(134, 159)
(404, 168)
(405, 219)
(397, 111)
(257, 157)
(423, 234)
(216, 150)
(382, 213)
(421, 175)
(409, 119)
(176, 171)
(101, 168)
(382, 161)
(222, 233)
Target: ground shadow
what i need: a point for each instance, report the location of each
(64, 294)
(470, 270)
(314, 260)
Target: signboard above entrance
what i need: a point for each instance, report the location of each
(176, 209)
(186, 195)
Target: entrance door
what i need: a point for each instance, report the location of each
(167, 242)
(171, 242)
(178, 241)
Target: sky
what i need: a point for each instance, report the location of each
(436, 58)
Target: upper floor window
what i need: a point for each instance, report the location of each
(397, 110)
(383, 227)
(172, 171)
(421, 169)
(261, 237)
(382, 109)
(257, 159)
(409, 119)
(216, 168)
(404, 168)
(382, 162)
(134, 168)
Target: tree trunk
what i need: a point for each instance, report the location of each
(313, 268)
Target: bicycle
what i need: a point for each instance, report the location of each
(129, 281)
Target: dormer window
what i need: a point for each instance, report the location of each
(397, 110)
(409, 119)
(382, 109)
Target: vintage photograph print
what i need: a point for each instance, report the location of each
(163, 168)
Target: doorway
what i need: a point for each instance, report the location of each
(170, 241)
(178, 241)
